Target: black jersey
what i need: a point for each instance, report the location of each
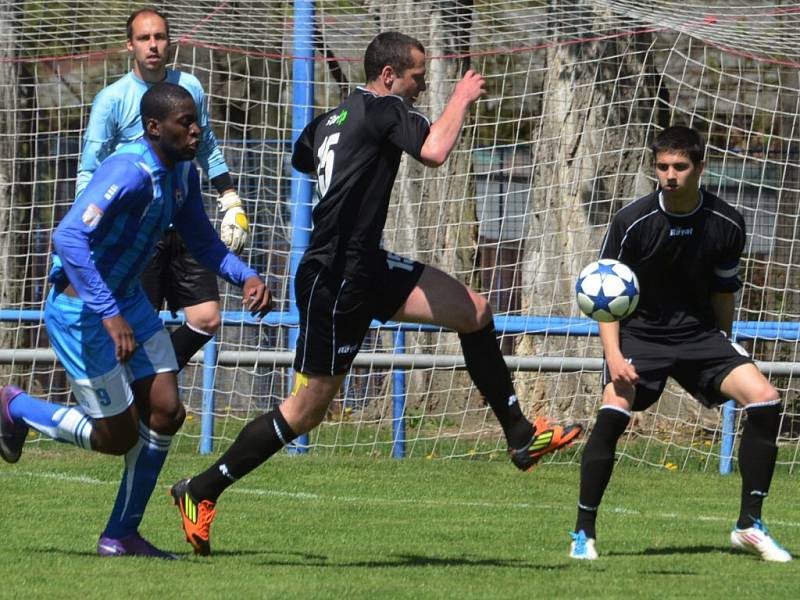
(355, 151)
(680, 260)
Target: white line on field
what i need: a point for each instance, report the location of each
(671, 516)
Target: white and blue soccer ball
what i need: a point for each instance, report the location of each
(607, 290)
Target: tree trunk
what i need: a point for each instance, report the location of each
(598, 104)
(10, 293)
(433, 216)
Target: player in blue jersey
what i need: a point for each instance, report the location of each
(173, 275)
(114, 348)
(685, 245)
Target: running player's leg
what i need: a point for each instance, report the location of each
(161, 415)
(440, 299)
(193, 288)
(151, 369)
(333, 317)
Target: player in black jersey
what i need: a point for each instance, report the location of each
(684, 244)
(345, 279)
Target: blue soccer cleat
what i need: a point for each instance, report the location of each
(582, 547)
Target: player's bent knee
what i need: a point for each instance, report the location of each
(480, 317)
(206, 320)
(483, 312)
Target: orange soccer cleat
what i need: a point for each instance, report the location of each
(196, 517)
(546, 438)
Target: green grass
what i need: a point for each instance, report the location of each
(357, 527)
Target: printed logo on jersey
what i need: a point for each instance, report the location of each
(681, 231)
(92, 215)
(337, 119)
(111, 191)
(347, 349)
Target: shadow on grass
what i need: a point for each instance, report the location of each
(302, 559)
(670, 550)
(402, 561)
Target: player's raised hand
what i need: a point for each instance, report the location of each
(471, 87)
(257, 298)
(122, 336)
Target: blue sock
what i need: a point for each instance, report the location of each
(62, 423)
(143, 463)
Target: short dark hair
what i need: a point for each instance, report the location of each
(142, 11)
(160, 100)
(390, 48)
(682, 140)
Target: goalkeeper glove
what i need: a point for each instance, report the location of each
(235, 227)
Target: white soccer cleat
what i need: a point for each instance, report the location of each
(582, 548)
(757, 540)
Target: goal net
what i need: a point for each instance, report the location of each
(577, 90)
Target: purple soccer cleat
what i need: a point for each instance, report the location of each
(130, 545)
(12, 435)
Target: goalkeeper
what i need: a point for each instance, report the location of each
(173, 274)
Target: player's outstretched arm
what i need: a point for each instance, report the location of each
(445, 130)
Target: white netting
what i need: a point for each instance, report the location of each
(577, 90)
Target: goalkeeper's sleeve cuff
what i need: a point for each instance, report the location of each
(229, 199)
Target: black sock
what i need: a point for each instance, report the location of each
(757, 453)
(490, 374)
(257, 441)
(186, 342)
(597, 464)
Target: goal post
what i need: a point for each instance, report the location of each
(577, 90)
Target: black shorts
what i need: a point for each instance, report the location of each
(175, 276)
(699, 365)
(335, 313)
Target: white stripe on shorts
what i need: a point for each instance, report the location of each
(333, 327)
(308, 322)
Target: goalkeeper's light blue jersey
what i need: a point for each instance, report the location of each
(109, 235)
(115, 120)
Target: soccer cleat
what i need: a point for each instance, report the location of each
(196, 516)
(582, 548)
(12, 434)
(130, 545)
(546, 438)
(756, 540)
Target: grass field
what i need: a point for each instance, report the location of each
(336, 527)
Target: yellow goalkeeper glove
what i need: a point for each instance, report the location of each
(235, 227)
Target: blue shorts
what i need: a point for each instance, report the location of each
(100, 383)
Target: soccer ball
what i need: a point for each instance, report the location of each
(607, 290)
